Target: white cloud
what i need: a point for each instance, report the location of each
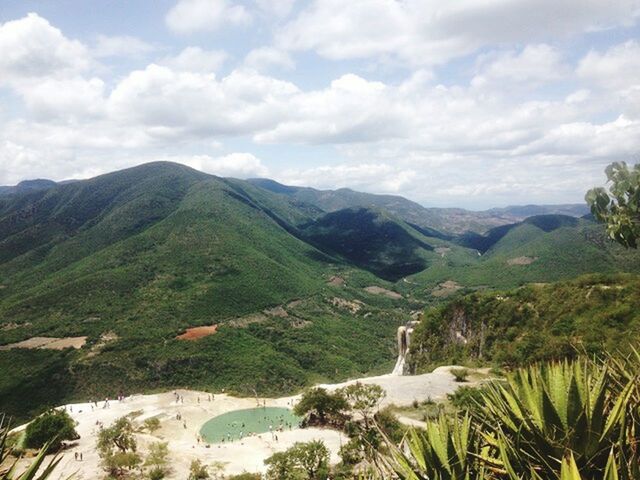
(378, 177)
(431, 31)
(237, 165)
(195, 59)
(618, 67)
(32, 48)
(189, 16)
(265, 57)
(351, 109)
(535, 64)
(120, 46)
(71, 99)
(279, 8)
(195, 104)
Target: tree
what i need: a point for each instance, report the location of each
(313, 458)
(364, 398)
(303, 461)
(117, 447)
(198, 471)
(52, 427)
(619, 207)
(35, 468)
(157, 460)
(326, 406)
(282, 466)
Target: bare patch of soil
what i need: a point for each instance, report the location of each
(353, 306)
(196, 333)
(276, 312)
(521, 260)
(445, 289)
(48, 343)
(336, 281)
(242, 322)
(13, 326)
(383, 291)
(105, 338)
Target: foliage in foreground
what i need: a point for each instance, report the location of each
(568, 420)
(52, 428)
(619, 207)
(9, 469)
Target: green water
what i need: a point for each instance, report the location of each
(229, 426)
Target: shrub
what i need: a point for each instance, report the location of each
(460, 374)
(465, 397)
(52, 427)
(151, 424)
(8, 466)
(198, 471)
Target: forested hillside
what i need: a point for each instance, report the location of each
(592, 314)
(102, 281)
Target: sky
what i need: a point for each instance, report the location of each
(468, 103)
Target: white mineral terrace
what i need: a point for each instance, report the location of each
(238, 456)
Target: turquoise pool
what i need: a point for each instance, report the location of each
(232, 425)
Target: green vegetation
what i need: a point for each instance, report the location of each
(133, 259)
(371, 240)
(36, 469)
(559, 421)
(51, 428)
(303, 461)
(117, 448)
(460, 374)
(619, 207)
(198, 471)
(157, 461)
(320, 407)
(592, 314)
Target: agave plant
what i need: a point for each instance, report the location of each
(444, 451)
(562, 421)
(32, 471)
(546, 414)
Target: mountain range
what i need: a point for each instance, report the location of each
(302, 285)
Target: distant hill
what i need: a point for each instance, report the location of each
(435, 222)
(524, 211)
(546, 223)
(27, 186)
(371, 240)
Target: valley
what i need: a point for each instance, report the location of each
(295, 294)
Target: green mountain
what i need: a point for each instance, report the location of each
(132, 259)
(540, 249)
(371, 240)
(124, 264)
(443, 223)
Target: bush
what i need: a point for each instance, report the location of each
(54, 426)
(198, 471)
(151, 424)
(465, 397)
(460, 374)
